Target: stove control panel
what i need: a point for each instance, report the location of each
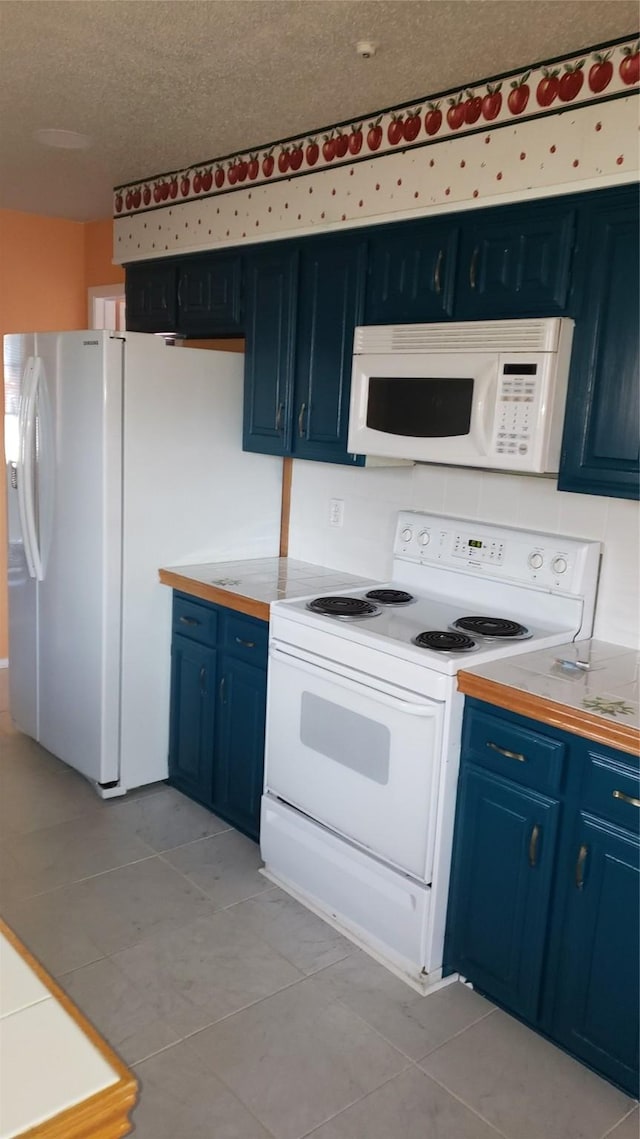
(478, 549)
(501, 553)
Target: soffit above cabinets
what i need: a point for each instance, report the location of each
(163, 85)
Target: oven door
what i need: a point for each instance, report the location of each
(358, 755)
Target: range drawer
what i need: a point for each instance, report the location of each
(246, 638)
(518, 753)
(195, 619)
(612, 787)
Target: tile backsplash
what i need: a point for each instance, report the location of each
(373, 496)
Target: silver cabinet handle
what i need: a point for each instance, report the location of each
(473, 267)
(580, 861)
(437, 280)
(279, 414)
(626, 798)
(533, 845)
(203, 677)
(247, 644)
(188, 621)
(221, 690)
(301, 421)
(509, 754)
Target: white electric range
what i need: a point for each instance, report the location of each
(364, 720)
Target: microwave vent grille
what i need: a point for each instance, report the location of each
(540, 335)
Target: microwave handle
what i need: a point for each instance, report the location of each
(486, 416)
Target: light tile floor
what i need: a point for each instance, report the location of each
(243, 1014)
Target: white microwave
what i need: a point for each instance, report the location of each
(484, 393)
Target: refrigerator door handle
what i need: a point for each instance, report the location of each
(23, 473)
(45, 460)
(29, 444)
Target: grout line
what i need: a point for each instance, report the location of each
(88, 878)
(619, 1121)
(455, 1035)
(464, 1103)
(193, 841)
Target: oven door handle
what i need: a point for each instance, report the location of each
(410, 707)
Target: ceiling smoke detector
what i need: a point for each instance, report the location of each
(365, 49)
(62, 139)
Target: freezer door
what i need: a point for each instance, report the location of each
(79, 519)
(22, 590)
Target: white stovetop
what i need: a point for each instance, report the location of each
(393, 630)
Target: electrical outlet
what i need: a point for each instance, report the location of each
(336, 511)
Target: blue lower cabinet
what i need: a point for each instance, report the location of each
(598, 994)
(193, 678)
(218, 706)
(238, 770)
(544, 904)
(503, 867)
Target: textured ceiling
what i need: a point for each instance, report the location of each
(159, 85)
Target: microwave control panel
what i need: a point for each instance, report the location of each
(516, 409)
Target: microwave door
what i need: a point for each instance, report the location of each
(435, 408)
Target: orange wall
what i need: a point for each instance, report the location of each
(46, 266)
(98, 269)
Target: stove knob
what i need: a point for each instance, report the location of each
(535, 560)
(424, 537)
(559, 565)
(407, 534)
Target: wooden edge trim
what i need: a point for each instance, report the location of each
(285, 506)
(111, 1105)
(223, 344)
(205, 592)
(622, 736)
(104, 1115)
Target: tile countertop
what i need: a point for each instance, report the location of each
(58, 1079)
(601, 702)
(249, 586)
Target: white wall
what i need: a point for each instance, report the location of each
(373, 496)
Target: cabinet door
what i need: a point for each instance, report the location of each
(515, 263)
(330, 305)
(504, 853)
(209, 296)
(151, 292)
(191, 732)
(271, 290)
(601, 444)
(238, 774)
(597, 999)
(410, 274)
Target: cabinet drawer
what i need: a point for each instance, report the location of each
(612, 788)
(513, 750)
(195, 619)
(246, 638)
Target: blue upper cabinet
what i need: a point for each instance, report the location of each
(411, 273)
(601, 444)
(271, 294)
(151, 292)
(210, 296)
(515, 261)
(330, 304)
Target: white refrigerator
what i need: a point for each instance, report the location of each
(123, 454)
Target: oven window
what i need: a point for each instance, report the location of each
(353, 740)
(424, 407)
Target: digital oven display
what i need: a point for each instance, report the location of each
(475, 544)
